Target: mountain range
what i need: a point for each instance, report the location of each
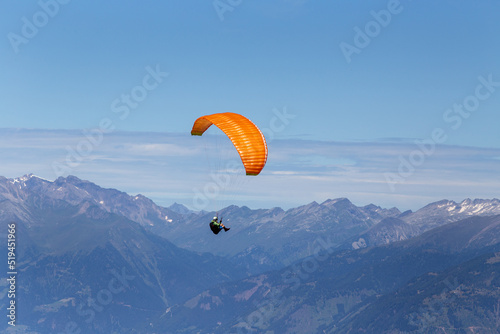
(101, 261)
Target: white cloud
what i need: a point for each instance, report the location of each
(169, 167)
(156, 149)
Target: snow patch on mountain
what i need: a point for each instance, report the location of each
(446, 211)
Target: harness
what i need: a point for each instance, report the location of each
(215, 228)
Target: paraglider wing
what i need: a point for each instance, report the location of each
(245, 136)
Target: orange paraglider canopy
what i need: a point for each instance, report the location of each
(245, 136)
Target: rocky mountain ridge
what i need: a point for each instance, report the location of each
(257, 236)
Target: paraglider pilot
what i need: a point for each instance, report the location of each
(217, 226)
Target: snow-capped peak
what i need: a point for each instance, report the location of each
(26, 177)
(446, 211)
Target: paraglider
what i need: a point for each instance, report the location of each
(217, 226)
(245, 136)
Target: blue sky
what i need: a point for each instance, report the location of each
(360, 84)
